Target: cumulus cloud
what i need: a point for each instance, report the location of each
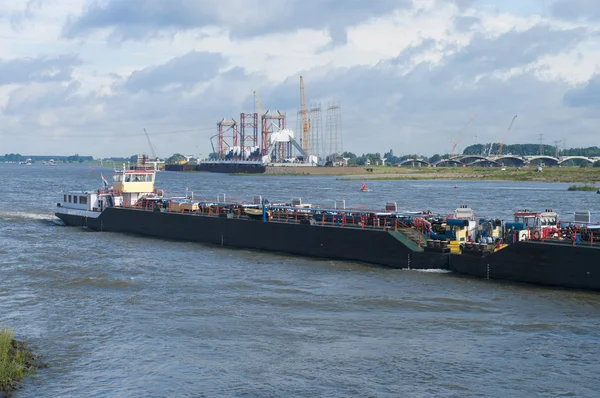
(576, 9)
(588, 95)
(38, 69)
(39, 96)
(178, 73)
(434, 100)
(511, 50)
(407, 74)
(145, 19)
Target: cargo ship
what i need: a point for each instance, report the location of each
(222, 166)
(533, 248)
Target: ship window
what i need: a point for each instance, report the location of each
(118, 178)
(83, 200)
(148, 177)
(65, 198)
(127, 177)
(69, 198)
(74, 199)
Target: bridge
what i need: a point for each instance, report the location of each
(413, 162)
(592, 159)
(478, 160)
(494, 160)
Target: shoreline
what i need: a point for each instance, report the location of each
(552, 174)
(16, 362)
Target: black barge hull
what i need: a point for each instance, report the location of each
(233, 168)
(542, 263)
(220, 167)
(376, 246)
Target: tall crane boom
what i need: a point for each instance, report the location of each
(506, 135)
(257, 106)
(462, 132)
(154, 157)
(305, 120)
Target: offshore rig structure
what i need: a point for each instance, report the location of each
(264, 137)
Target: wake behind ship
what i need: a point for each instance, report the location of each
(534, 247)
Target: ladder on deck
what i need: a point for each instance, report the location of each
(411, 237)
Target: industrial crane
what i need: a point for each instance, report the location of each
(305, 119)
(154, 157)
(462, 132)
(257, 104)
(505, 136)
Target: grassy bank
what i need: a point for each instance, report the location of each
(583, 188)
(12, 361)
(550, 174)
(15, 361)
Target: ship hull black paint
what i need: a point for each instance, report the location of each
(220, 167)
(551, 264)
(181, 167)
(363, 245)
(233, 168)
(554, 264)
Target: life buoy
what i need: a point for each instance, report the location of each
(536, 235)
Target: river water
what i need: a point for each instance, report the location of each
(121, 316)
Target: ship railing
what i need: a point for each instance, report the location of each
(291, 214)
(325, 217)
(579, 232)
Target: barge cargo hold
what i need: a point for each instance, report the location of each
(533, 249)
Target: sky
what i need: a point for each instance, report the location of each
(88, 77)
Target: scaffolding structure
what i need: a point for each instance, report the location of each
(316, 131)
(227, 136)
(333, 121)
(264, 137)
(271, 122)
(249, 142)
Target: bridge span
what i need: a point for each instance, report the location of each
(480, 160)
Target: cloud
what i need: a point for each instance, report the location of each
(179, 73)
(466, 23)
(146, 19)
(384, 106)
(576, 9)
(38, 69)
(41, 96)
(407, 74)
(18, 16)
(511, 50)
(586, 96)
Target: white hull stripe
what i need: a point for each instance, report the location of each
(75, 212)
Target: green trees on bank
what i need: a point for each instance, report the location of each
(17, 157)
(371, 158)
(478, 149)
(530, 150)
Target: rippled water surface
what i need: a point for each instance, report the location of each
(119, 315)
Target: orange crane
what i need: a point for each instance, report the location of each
(505, 136)
(462, 132)
(305, 119)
